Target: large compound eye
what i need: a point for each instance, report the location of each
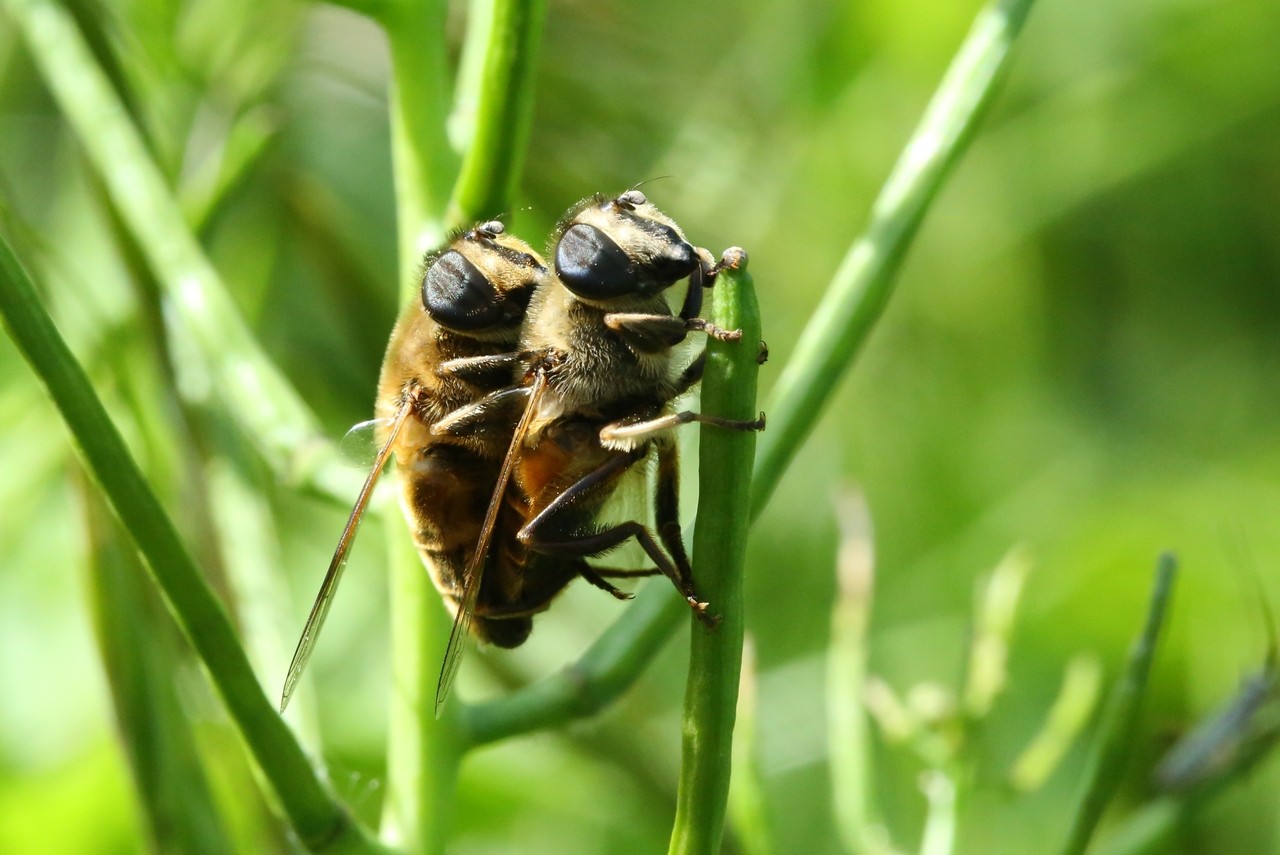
(455, 293)
(591, 265)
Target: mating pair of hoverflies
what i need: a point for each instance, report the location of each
(515, 398)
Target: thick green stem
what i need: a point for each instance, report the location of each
(424, 751)
(496, 109)
(320, 821)
(1120, 720)
(861, 288)
(719, 550)
(424, 163)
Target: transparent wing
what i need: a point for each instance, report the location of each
(475, 569)
(320, 609)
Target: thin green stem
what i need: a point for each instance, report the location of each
(589, 684)
(848, 733)
(862, 286)
(719, 550)
(497, 104)
(1120, 720)
(1150, 830)
(170, 780)
(424, 163)
(1081, 684)
(320, 821)
(856, 296)
(749, 816)
(241, 149)
(940, 792)
(201, 312)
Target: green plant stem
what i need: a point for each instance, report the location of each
(848, 736)
(424, 751)
(199, 309)
(1066, 718)
(749, 816)
(588, 684)
(320, 821)
(498, 103)
(719, 550)
(423, 162)
(1150, 830)
(940, 790)
(857, 293)
(1120, 719)
(173, 790)
(241, 149)
(861, 288)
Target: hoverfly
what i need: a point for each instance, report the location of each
(447, 352)
(599, 382)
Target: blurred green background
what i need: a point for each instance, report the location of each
(1083, 356)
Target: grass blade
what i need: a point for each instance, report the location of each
(1120, 720)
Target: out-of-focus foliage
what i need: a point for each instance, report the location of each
(1083, 356)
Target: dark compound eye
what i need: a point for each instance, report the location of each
(455, 293)
(591, 265)
(491, 229)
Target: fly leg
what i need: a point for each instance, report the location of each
(603, 584)
(497, 409)
(497, 369)
(648, 333)
(629, 433)
(666, 512)
(541, 535)
(599, 577)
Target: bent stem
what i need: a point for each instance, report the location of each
(719, 549)
(856, 297)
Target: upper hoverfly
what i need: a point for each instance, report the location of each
(448, 351)
(600, 378)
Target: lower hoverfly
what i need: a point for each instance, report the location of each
(448, 351)
(599, 384)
